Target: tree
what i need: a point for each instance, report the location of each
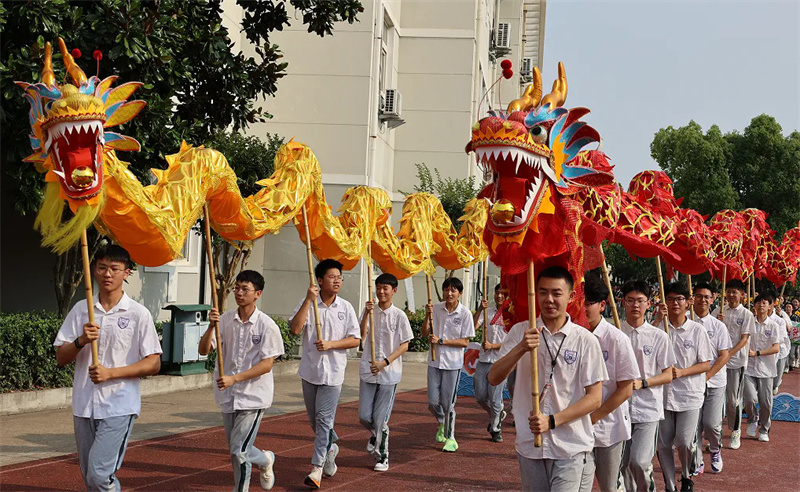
(194, 85)
(452, 193)
(251, 159)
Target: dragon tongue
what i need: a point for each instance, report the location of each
(514, 190)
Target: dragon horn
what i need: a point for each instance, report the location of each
(78, 77)
(558, 95)
(530, 98)
(48, 76)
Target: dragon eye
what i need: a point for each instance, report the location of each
(539, 134)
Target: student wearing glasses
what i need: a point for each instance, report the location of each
(324, 361)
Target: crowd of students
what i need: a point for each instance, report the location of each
(610, 399)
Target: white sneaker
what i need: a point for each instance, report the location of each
(330, 468)
(736, 439)
(752, 428)
(763, 437)
(267, 478)
(716, 462)
(314, 479)
(382, 465)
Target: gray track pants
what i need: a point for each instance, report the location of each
(442, 393)
(555, 475)
(374, 409)
(709, 423)
(758, 390)
(734, 391)
(321, 402)
(781, 365)
(680, 429)
(489, 397)
(637, 458)
(101, 446)
(607, 463)
(241, 429)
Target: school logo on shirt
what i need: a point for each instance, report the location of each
(256, 339)
(768, 333)
(605, 355)
(123, 322)
(688, 344)
(710, 334)
(341, 315)
(647, 349)
(570, 356)
(457, 320)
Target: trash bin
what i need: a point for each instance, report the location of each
(181, 338)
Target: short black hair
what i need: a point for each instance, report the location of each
(453, 282)
(253, 277)
(636, 286)
(498, 288)
(771, 295)
(679, 288)
(735, 284)
(762, 297)
(113, 252)
(595, 290)
(705, 285)
(386, 279)
(557, 272)
(328, 264)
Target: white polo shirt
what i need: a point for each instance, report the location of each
(127, 335)
(739, 322)
(621, 366)
(653, 355)
(578, 363)
(764, 336)
(691, 345)
(448, 326)
(243, 346)
(786, 344)
(338, 321)
(496, 333)
(392, 329)
(720, 340)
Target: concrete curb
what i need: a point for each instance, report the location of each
(34, 401)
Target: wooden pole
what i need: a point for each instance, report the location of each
(691, 301)
(661, 289)
(749, 298)
(430, 301)
(371, 313)
(212, 276)
(87, 280)
(485, 297)
(537, 438)
(724, 300)
(311, 280)
(782, 289)
(607, 278)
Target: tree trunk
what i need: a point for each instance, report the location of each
(68, 272)
(229, 260)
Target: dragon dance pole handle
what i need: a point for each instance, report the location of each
(212, 276)
(607, 279)
(371, 313)
(722, 302)
(87, 280)
(485, 297)
(782, 289)
(691, 294)
(537, 438)
(430, 301)
(661, 291)
(311, 279)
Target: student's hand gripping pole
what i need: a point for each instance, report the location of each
(212, 276)
(372, 312)
(485, 297)
(537, 438)
(311, 279)
(87, 280)
(661, 291)
(607, 278)
(430, 300)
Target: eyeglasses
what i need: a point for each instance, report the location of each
(103, 269)
(674, 300)
(243, 290)
(635, 302)
(703, 298)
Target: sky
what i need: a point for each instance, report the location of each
(641, 66)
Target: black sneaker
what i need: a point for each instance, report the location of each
(497, 437)
(687, 485)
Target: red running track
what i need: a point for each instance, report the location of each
(199, 460)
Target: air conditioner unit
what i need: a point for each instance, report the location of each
(527, 66)
(392, 103)
(503, 38)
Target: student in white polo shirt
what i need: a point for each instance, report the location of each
(571, 372)
(379, 379)
(324, 361)
(105, 397)
(489, 397)
(764, 348)
(782, 358)
(452, 329)
(655, 359)
(710, 421)
(612, 421)
(739, 321)
(250, 342)
(683, 398)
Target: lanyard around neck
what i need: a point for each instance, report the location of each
(553, 360)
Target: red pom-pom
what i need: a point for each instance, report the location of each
(97, 55)
(505, 64)
(508, 73)
(76, 53)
